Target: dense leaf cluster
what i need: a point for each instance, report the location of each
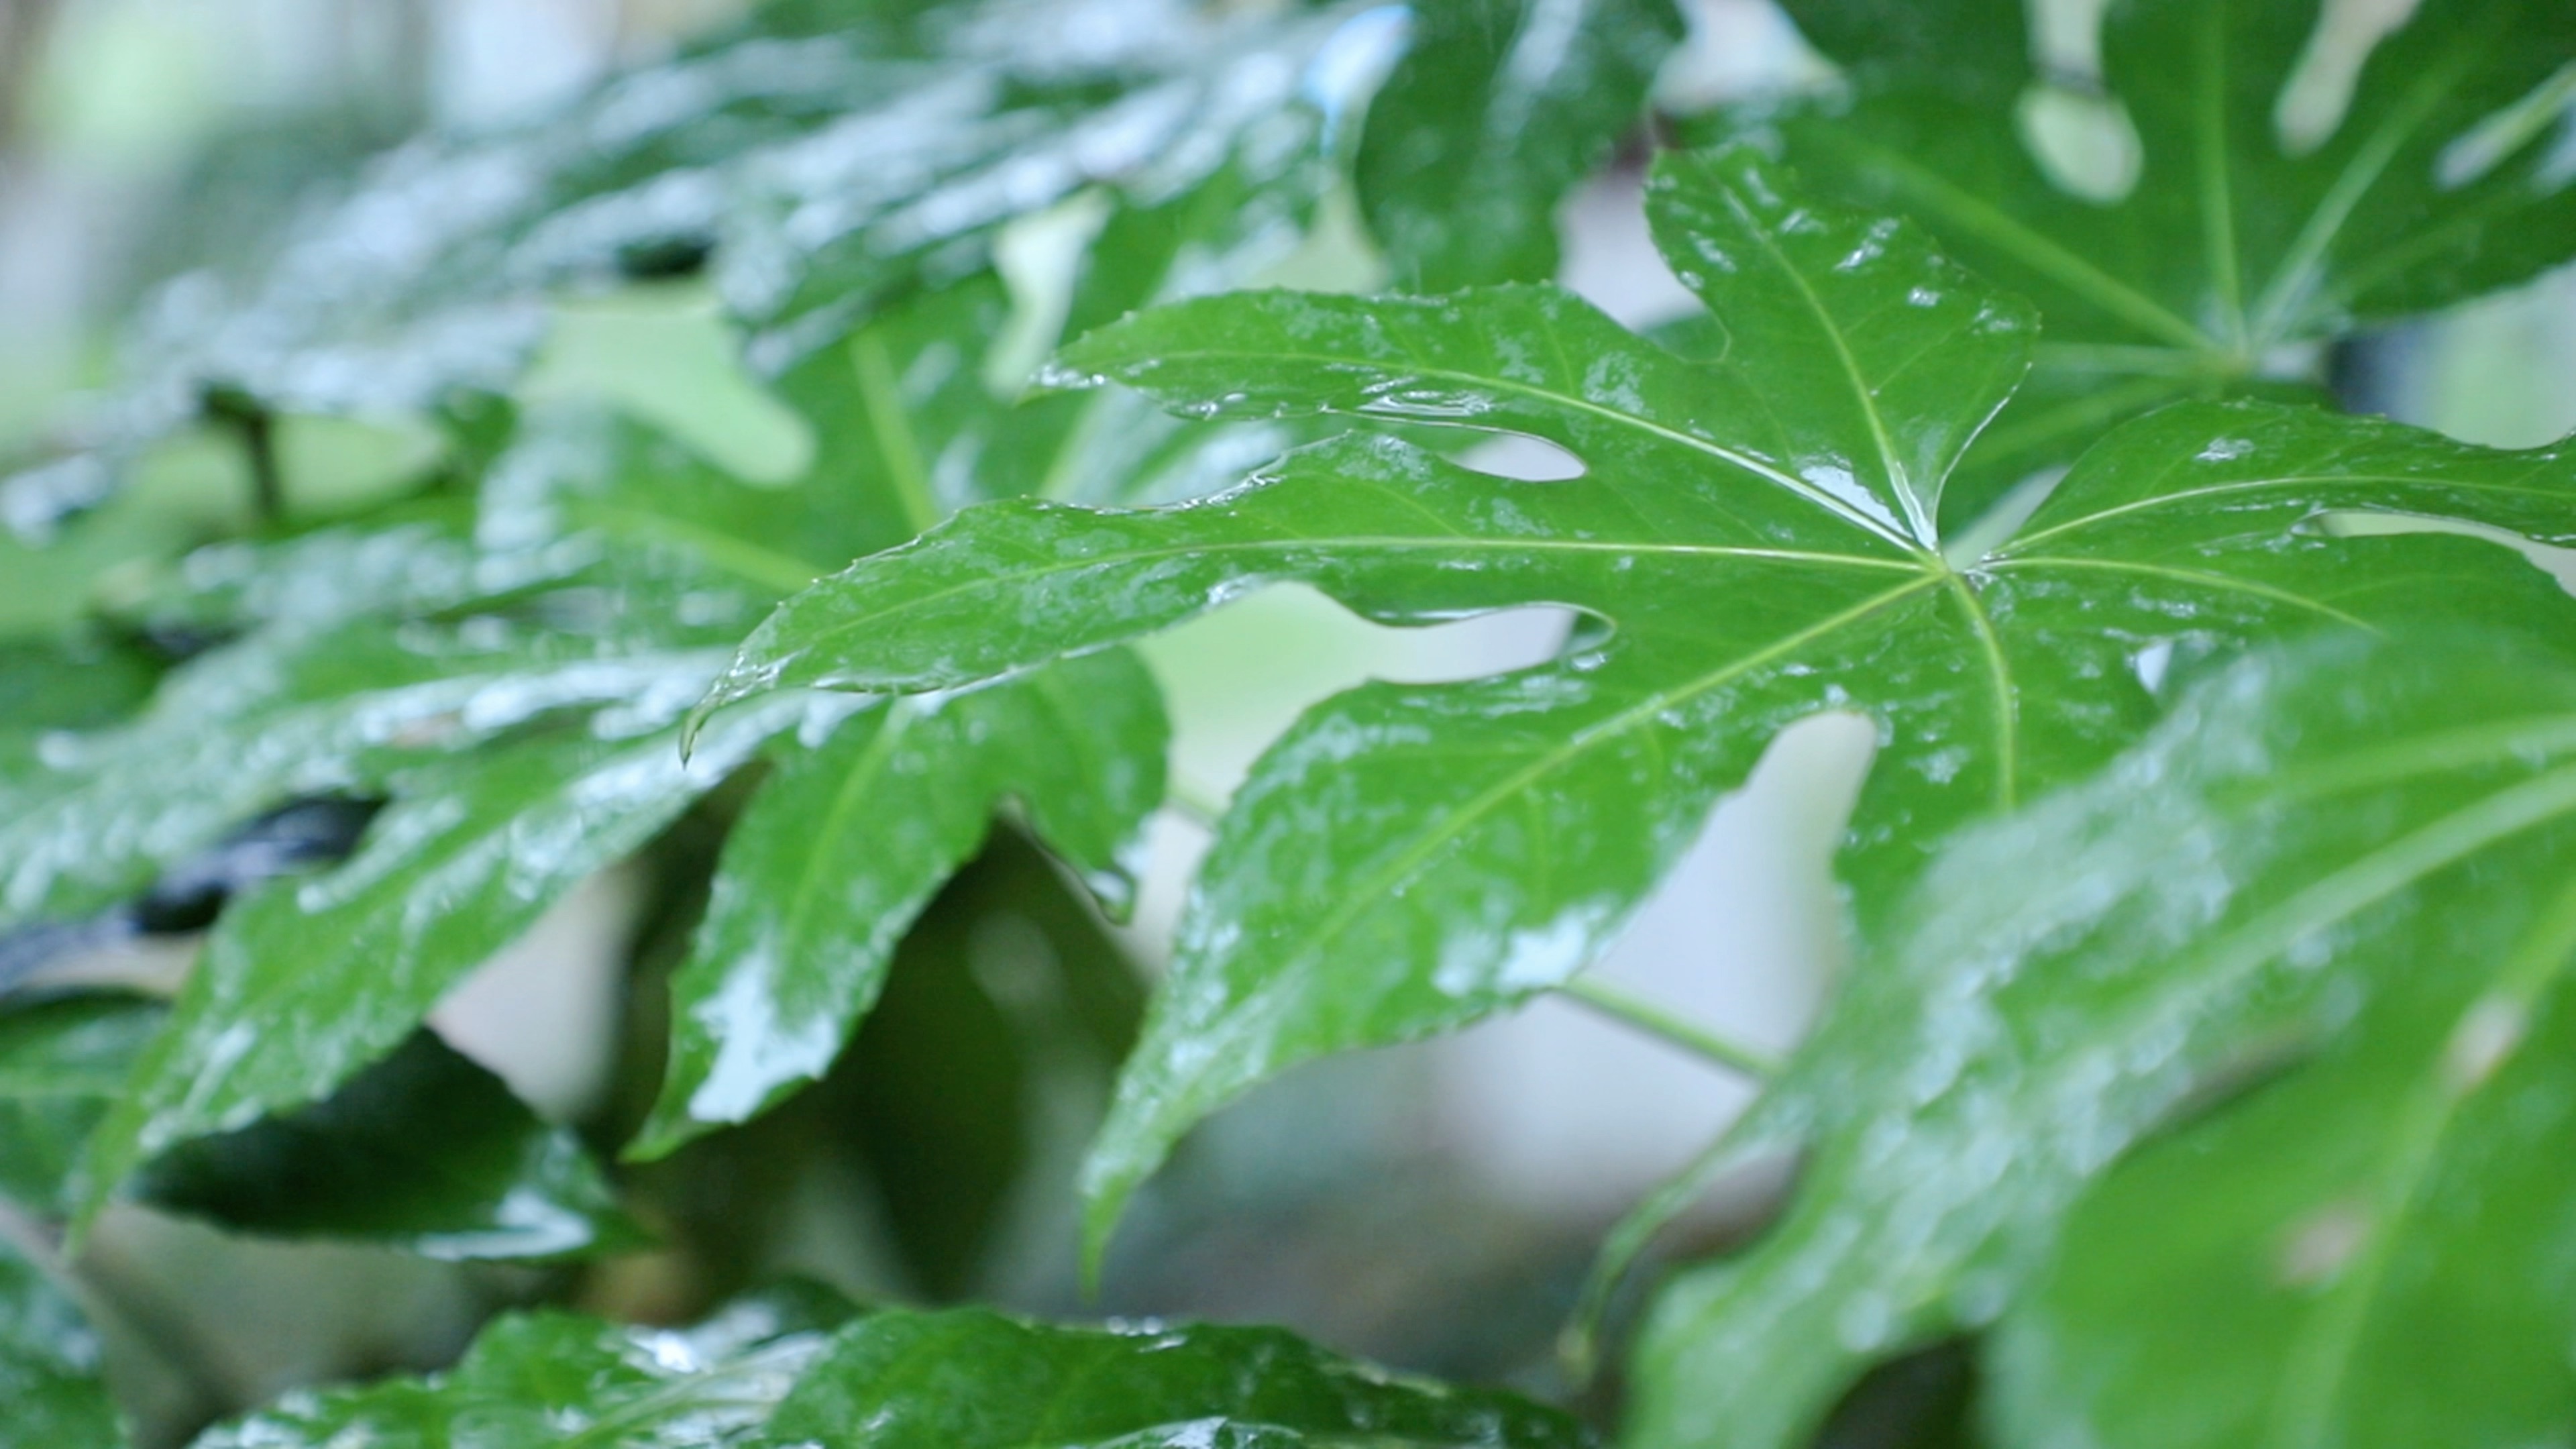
(2203, 1051)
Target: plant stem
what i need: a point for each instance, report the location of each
(1195, 801)
(1654, 1020)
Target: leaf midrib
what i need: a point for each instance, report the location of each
(912, 603)
(1259, 363)
(1891, 469)
(1367, 896)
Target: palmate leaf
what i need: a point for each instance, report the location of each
(48, 1366)
(1754, 538)
(772, 1375)
(600, 560)
(820, 161)
(2246, 237)
(2338, 871)
(309, 981)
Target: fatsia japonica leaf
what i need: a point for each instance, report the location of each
(847, 843)
(1497, 109)
(94, 817)
(2250, 187)
(48, 1366)
(2339, 872)
(1754, 538)
(774, 1372)
(310, 980)
(819, 163)
(973, 1379)
(566, 1379)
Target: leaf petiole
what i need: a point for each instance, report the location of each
(1656, 1021)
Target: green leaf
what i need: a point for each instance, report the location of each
(973, 1379)
(767, 1371)
(244, 729)
(61, 1064)
(571, 1381)
(309, 981)
(2241, 242)
(849, 840)
(48, 1367)
(986, 1061)
(424, 1150)
(813, 173)
(1498, 109)
(2343, 866)
(1753, 538)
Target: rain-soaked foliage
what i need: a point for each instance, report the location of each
(2204, 1064)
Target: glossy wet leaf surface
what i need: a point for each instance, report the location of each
(974, 1379)
(2332, 882)
(819, 164)
(48, 1366)
(1755, 540)
(309, 981)
(848, 842)
(1497, 109)
(2219, 214)
(567, 1379)
(773, 1371)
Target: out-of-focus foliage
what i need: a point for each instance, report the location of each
(2197, 1057)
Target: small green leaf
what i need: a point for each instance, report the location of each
(424, 1150)
(1496, 111)
(573, 1382)
(2343, 866)
(2209, 235)
(1754, 539)
(48, 1367)
(309, 981)
(973, 1379)
(850, 839)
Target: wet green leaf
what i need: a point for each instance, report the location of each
(1498, 109)
(568, 1380)
(424, 1150)
(769, 1371)
(311, 980)
(2341, 868)
(1754, 538)
(973, 1379)
(849, 840)
(2219, 214)
(48, 1367)
(95, 817)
